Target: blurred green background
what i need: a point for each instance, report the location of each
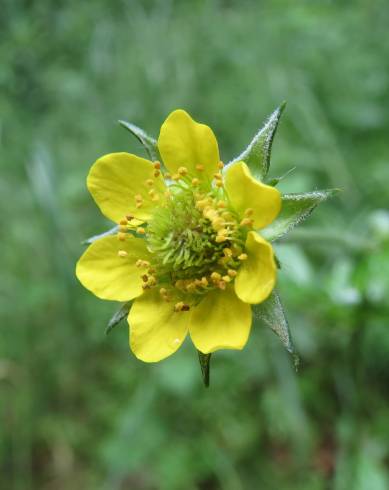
(78, 411)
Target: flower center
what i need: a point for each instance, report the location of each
(196, 240)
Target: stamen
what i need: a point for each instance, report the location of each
(157, 173)
(140, 230)
(249, 212)
(231, 272)
(182, 171)
(195, 182)
(123, 222)
(149, 182)
(242, 257)
(220, 164)
(199, 168)
(157, 165)
(122, 253)
(122, 236)
(247, 222)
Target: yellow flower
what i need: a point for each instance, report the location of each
(187, 252)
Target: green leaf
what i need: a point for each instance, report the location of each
(149, 143)
(205, 362)
(257, 154)
(272, 314)
(120, 315)
(295, 209)
(92, 239)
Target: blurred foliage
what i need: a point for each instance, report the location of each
(77, 410)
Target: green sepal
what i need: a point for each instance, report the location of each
(149, 143)
(257, 154)
(272, 314)
(120, 315)
(295, 209)
(92, 239)
(205, 364)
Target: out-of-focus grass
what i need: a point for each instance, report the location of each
(78, 411)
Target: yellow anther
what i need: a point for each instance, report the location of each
(179, 306)
(221, 204)
(191, 287)
(157, 173)
(182, 171)
(142, 263)
(129, 217)
(199, 168)
(122, 236)
(123, 222)
(204, 281)
(151, 192)
(152, 281)
(195, 182)
(149, 182)
(249, 212)
(219, 183)
(167, 176)
(151, 270)
(140, 230)
(220, 239)
(155, 197)
(221, 285)
(246, 222)
(242, 257)
(145, 286)
(220, 164)
(215, 276)
(179, 284)
(138, 204)
(163, 291)
(201, 204)
(218, 176)
(123, 229)
(176, 177)
(210, 213)
(227, 252)
(226, 279)
(122, 253)
(157, 165)
(231, 273)
(218, 223)
(145, 278)
(138, 198)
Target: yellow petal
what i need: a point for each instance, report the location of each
(108, 276)
(257, 275)
(220, 321)
(185, 143)
(246, 192)
(156, 330)
(115, 179)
